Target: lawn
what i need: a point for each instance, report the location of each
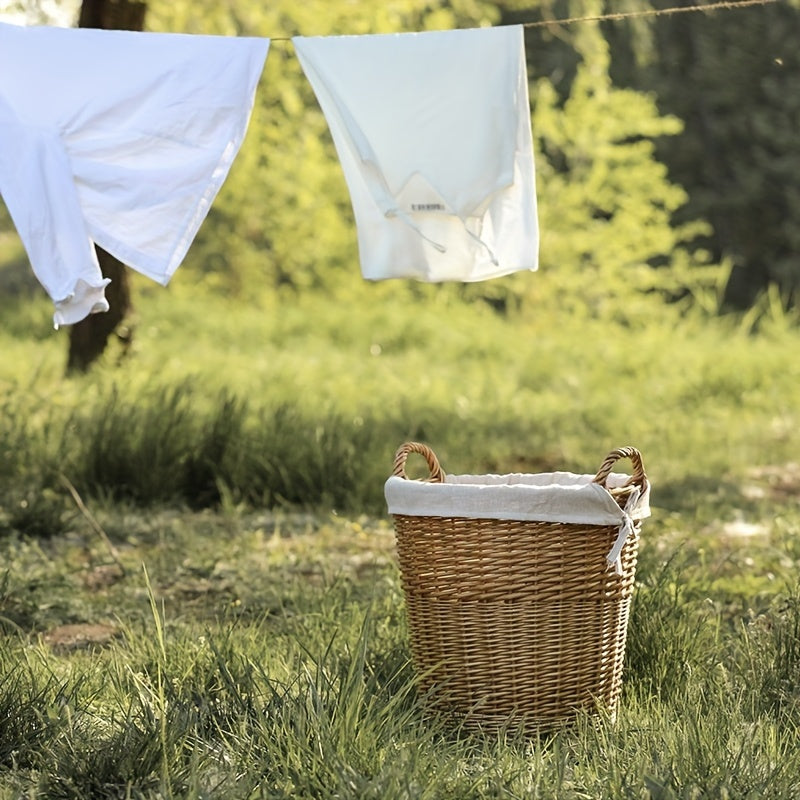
(200, 596)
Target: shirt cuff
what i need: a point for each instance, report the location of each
(85, 299)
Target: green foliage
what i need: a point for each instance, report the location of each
(732, 77)
(31, 702)
(671, 642)
(615, 224)
(606, 204)
(224, 402)
(265, 653)
(284, 219)
(771, 647)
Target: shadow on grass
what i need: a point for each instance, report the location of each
(700, 496)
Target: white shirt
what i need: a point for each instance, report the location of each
(118, 138)
(434, 136)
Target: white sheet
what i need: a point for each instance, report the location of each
(119, 138)
(433, 133)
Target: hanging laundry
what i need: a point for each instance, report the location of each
(434, 136)
(117, 138)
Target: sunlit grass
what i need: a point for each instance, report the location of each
(234, 461)
(280, 399)
(266, 655)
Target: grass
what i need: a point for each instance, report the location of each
(265, 655)
(301, 400)
(199, 596)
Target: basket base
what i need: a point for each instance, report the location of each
(478, 720)
(537, 664)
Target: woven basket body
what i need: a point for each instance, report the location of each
(513, 622)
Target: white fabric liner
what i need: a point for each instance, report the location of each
(543, 497)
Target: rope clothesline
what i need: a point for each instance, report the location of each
(652, 12)
(720, 5)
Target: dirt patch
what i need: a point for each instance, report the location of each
(777, 482)
(80, 636)
(102, 576)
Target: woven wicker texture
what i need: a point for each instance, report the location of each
(516, 622)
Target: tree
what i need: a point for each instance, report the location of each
(283, 220)
(88, 338)
(733, 77)
(607, 206)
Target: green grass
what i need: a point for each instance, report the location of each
(212, 507)
(266, 655)
(304, 399)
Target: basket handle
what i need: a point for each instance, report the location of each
(399, 470)
(639, 477)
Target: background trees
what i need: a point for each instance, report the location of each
(665, 153)
(88, 338)
(734, 79)
(283, 219)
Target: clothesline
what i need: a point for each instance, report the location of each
(131, 159)
(722, 5)
(719, 6)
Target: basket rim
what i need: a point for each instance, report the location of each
(542, 497)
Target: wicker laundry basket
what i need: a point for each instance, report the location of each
(518, 587)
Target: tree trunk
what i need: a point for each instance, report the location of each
(88, 338)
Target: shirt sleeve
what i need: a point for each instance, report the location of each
(37, 186)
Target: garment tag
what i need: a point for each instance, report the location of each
(427, 207)
(418, 197)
